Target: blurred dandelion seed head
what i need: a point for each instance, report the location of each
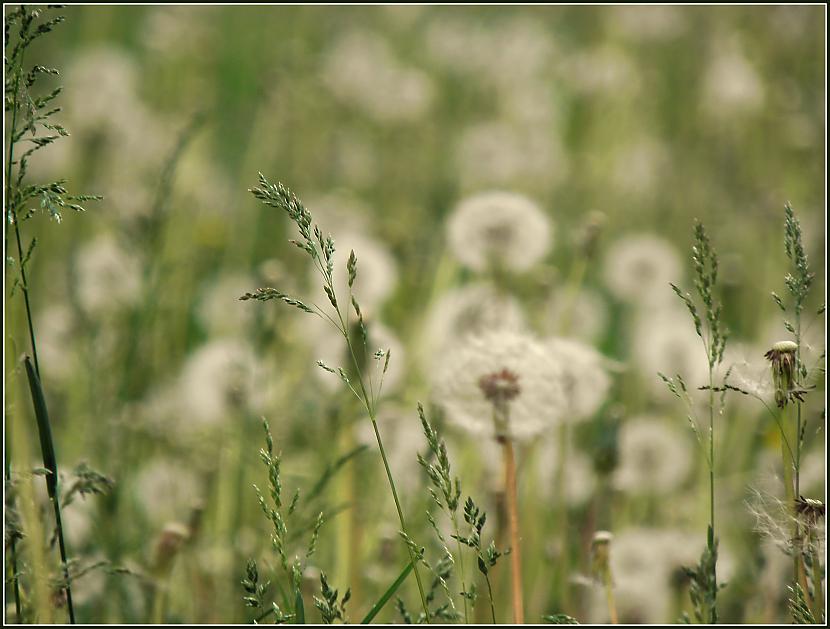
(638, 269)
(538, 405)
(654, 458)
(499, 229)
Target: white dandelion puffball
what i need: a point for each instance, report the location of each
(219, 310)
(580, 479)
(361, 70)
(638, 268)
(584, 377)
(731, 85)
(539, 397)
(403, 438)
(108, 276)
(218, 379)
(465, 311)
(166, 490)
(499, 228)
(331, 348)
(504, 153)
(586, 314)
(377, 273)
(654, 458)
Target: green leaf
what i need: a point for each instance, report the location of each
(299, 609)
(387, 595)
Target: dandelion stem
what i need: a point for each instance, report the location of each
(513, 520)
(609, 598)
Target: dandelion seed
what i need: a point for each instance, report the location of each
(499, 229)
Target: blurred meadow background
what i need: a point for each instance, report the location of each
(577, 145)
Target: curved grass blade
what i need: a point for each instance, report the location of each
(50, 462)
(387, 595)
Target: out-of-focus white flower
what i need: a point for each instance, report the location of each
(652, 23)
(499, 229)
(55, 327)
(166, 490)
(108, 276)
(510, 50)
(462, 312)
(339, 212)
(584, 377)
(638, 167)
(601, 70)
(218, 380)
(638, 269)
(361, 70)
(377, 273)
(579, 480)
(219, 310)
(731, 85)
(403, 438)
(100, 88)
(665, 341)
(641, 589)
(175, 30)
(654, 458)
(506, 154)
(586, 313)
(536, 380)
(331, 348)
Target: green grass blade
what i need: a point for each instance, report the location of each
(299, 608)
(50, 462)
(387, 595)
(44, 429)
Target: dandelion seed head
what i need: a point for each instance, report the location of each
(498, 229)
(165, 490)
(361, 70)
(539, 403)
(503, 153)
(731, 85)
(109, 277)
(586, 313)
(638, 269)
(580, 479)
(56, 331)
(584, 377)
(218, 309)
(377, 272)
(330, 347)
(664, 341)
(647, 23)
(654, 458)
(218, 380)
(465, 311)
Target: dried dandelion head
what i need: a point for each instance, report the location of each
(499, 229)
(783, 362)
(504, 372)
